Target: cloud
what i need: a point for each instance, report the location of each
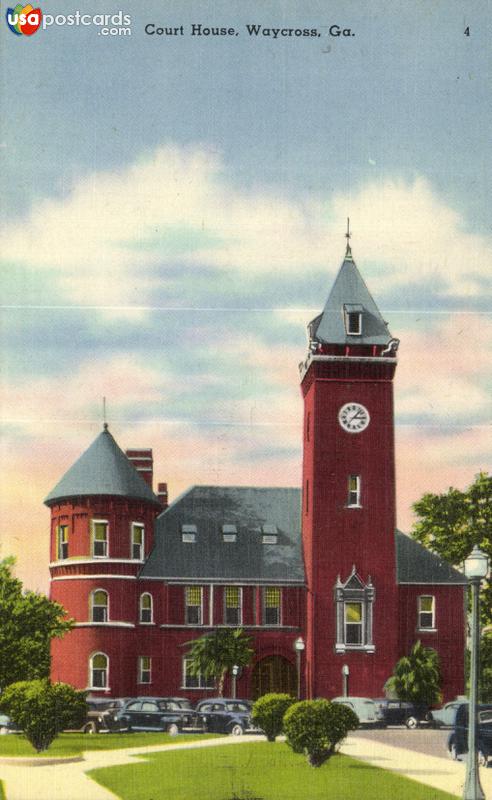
(121, 235)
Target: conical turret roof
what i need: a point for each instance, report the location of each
(103, 469)
(350, 293)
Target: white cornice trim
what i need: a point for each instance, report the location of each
(233, 627)
(91, 576)
(104, 625)
(64, 562)
(304, 365)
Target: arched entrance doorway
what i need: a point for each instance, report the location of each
(273, 674)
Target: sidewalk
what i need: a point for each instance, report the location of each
(441, 773)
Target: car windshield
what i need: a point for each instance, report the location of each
(485, 717)
(237, 707)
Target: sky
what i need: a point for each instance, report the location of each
(173, 215)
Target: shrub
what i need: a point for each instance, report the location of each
(316, 727)
(43, 709)
(268, 713)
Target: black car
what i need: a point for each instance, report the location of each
(102, 715)
(224, 715)
(458, 738)
(398, 712)
(171, 714)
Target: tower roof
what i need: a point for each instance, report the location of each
(350, 294)
(103, 469)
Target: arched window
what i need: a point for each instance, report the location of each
(99, 606)
(145, 607)
(98, 671)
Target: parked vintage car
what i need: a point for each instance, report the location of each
(102, 715)
(7, 725)
(365, 708)
(445, 717)
(458, 738)
(171, 714)
(226, 715)
(399, 712)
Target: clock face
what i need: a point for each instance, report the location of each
(353, 417)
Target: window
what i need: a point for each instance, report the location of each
(99, 538)
(353, 499)
(354, 602)
(137, 541)
(188, 533)
(353, 623)
(269, 534)
(193, 605)
(99, 605)
(144, 669)
(353, 320)
(62, 542)
(271, 606)
(229, 533)
(146, 607)
(426, 607)
(98, 671)
(198, 681)
(232, 605)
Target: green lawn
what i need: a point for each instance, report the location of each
(70, 744)
(256, 771)
(2, 793)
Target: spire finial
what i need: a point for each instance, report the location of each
(104, 414)
(348, 235)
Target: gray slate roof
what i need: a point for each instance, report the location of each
(245, 560)
(103, 469)
(416, 564)
(349, 290)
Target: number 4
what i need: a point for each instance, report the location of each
(467, 31)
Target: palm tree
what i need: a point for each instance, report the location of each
(215, 654)
(417, 677)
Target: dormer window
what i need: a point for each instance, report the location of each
(353, 320)
(229, 533)
(188, 533)
(270, 534)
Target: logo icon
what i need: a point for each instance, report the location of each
(24, 20)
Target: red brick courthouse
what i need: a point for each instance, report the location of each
(142, 577)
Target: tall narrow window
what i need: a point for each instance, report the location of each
(353, 499)
(146, 607)
(271, 605)
(137, 541)
(99, 538)
(426, 612)
(62, 542)
(98, 671)
(353, 623)
(99, 605)
(193, 605)
(232, 605)
(144, 669)
(354, 601)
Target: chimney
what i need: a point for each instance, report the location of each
(162, 494)
(143, 462)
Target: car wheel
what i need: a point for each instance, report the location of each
(90, 727)
(172, 729)
(237, 730)
(482, 759)
(412, 723)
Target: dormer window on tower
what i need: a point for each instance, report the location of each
(353, 319)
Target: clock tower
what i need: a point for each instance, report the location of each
(348, 513)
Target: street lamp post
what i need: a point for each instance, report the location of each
(345, 673)
(476, 568)
(235, 671)
(299, 647)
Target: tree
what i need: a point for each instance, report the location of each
(43, 709)
(417, 677)
(28, 622)
(215, 654)
(316, 727)
(268, 713)
(450, 524)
